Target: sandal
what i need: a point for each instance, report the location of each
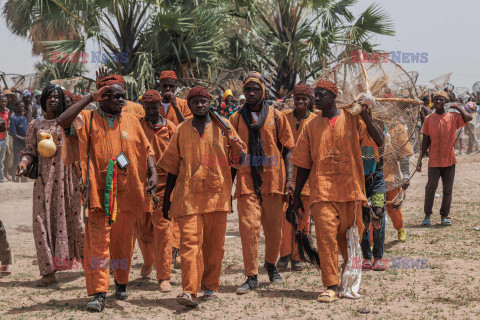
(327, 296)
(426, 222)
(187, 299)
(446, 222)
(210, 295)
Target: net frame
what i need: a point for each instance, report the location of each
(360, 79)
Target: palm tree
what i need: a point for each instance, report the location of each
(288, 40)
(139, 38)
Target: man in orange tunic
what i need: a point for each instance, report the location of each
(120, 160)
(439, 136)
(152, 230)
(297, 118)
(264, 179)
(176, 110)
(329, 148)
(198, 164)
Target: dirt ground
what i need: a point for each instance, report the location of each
(444, 285)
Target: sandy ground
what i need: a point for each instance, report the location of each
(446, 284)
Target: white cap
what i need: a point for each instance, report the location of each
(241, 97)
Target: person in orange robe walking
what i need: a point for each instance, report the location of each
(439, 137)
(120, 159)
(329, 149)
(297, 118)
(396, 167)
(176, 110)
(152, 230)
(198, 163)
(263, 181)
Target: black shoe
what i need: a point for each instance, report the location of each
(121, 291)
(98, 302)
(296, 265)
(273, 274)
(250, 284)
(282, 263)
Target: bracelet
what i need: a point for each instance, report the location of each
(289, 179)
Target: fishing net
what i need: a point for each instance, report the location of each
(440, 82)
(476, 88)
(461, 93)
(69, 84)
(414, 76)
(11, 81)
(395, 94)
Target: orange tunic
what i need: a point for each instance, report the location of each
(391, 169)
(172, 116)
(126, 135)
(292, 121)
(334, 157)
(134, 108)
(276, 129)
(441, 128)
(159, 142)
(204, 182)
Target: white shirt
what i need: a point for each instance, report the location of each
(165, 106)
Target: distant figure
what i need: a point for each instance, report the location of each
(6, 257)
(3, 134)
(18, 131)
(228, 107)
(439, 137)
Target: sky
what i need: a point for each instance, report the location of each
(445, 30)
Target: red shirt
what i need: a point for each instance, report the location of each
(441, 128)
(4, 116)
(332, 121)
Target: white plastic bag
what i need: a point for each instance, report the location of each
(350, 284)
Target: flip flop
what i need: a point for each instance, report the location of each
(426, 222)
(446, 222)
(327, 296)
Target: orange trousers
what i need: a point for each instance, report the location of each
(144, 236)
(153, 234)
(289, 245)
(396, 215)
(202, 246)
(332, 220)
(252, 214)
(105, 246)
(175, 234)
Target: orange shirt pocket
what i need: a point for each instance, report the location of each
(203, 180)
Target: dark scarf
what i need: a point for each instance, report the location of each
(255, 143)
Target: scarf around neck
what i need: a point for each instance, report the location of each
(255, 143)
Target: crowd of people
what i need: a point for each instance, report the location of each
(161, 172)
